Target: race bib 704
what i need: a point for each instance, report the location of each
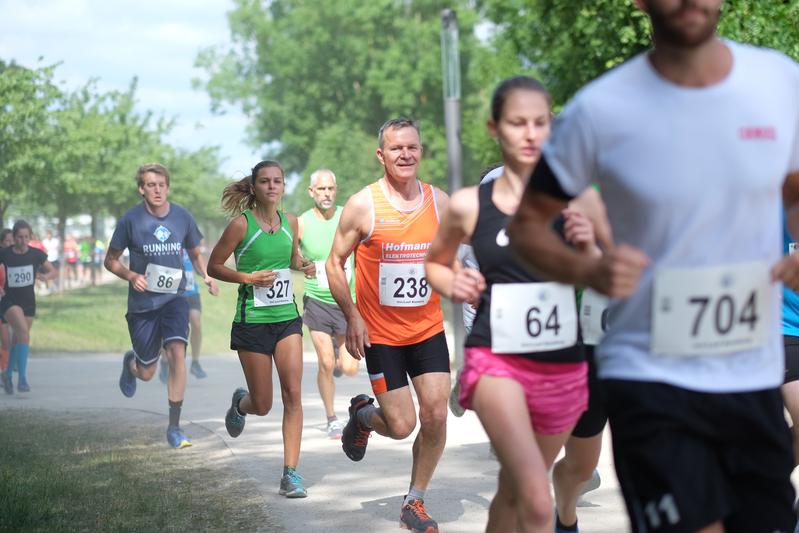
(710, 310)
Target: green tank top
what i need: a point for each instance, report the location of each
(317, 239)
(259, 250)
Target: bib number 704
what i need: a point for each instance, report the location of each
(714, 310)
(723, 313)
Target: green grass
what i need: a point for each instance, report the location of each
(85, 472)
(92, 319)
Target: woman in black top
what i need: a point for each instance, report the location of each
(525, 371)
(24, 265)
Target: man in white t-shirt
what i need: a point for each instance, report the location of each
(694, 145)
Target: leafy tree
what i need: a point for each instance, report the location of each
(300, 68)
(570, 42)
(27, 96)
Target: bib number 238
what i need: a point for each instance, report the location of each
(710, 310)
(532, 317)
(403, 285)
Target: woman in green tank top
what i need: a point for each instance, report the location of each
(266, 324)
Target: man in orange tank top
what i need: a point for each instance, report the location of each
(397, 324)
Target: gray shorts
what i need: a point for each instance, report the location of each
(325, 317)
(194, 301)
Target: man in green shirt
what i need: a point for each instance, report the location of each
(323, 317)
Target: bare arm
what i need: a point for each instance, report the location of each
(48, 271)
(115, 266)
(298, 262)
(354, 224)
(615, 274)
(441, 268)
(787, 269)
(197, 260)
(231, 237)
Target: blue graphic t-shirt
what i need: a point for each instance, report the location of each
(790, 300)
(188, 273)
(156, 246)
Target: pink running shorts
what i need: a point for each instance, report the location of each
(557, 393)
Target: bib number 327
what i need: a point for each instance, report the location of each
(403, 285)
(279, 293)
(532, 317)
(710, 310)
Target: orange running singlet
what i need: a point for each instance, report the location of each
(392, 293)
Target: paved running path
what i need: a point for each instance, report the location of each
(343, 496)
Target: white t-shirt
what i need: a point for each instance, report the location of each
(51, 245)
(691, 176)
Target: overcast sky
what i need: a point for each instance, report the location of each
(115, 40)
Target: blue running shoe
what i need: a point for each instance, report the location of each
(197, 371)
(176, 438)
(22, 386)
(291, 485)
(8, 385)
(234, 422)
(127, 381)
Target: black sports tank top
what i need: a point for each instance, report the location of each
(498, 265)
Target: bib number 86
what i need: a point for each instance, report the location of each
(723, 313)
(164, 282)
(411, 287)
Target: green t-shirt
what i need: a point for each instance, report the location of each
(317, 239)
(263, 251)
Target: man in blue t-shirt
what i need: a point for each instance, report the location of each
(156, 232)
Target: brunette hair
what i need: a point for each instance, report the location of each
(511, 84)
(239, 196)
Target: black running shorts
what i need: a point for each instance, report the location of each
(262, 338)
(688, 459)
(791, 358)
(593, 420)
(390, 366)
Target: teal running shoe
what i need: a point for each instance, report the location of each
(176, 438)
(197, 371)
(291, 485)
(127, 381)
(234, 422)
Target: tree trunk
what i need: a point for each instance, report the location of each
(94, 266)
(62, 233)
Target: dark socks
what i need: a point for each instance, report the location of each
(174, 412)
(560, 526)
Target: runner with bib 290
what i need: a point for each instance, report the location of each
(23, 266)
(266, 324)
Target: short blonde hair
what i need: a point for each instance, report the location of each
(155, 168)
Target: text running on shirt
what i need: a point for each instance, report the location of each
(166, 248)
